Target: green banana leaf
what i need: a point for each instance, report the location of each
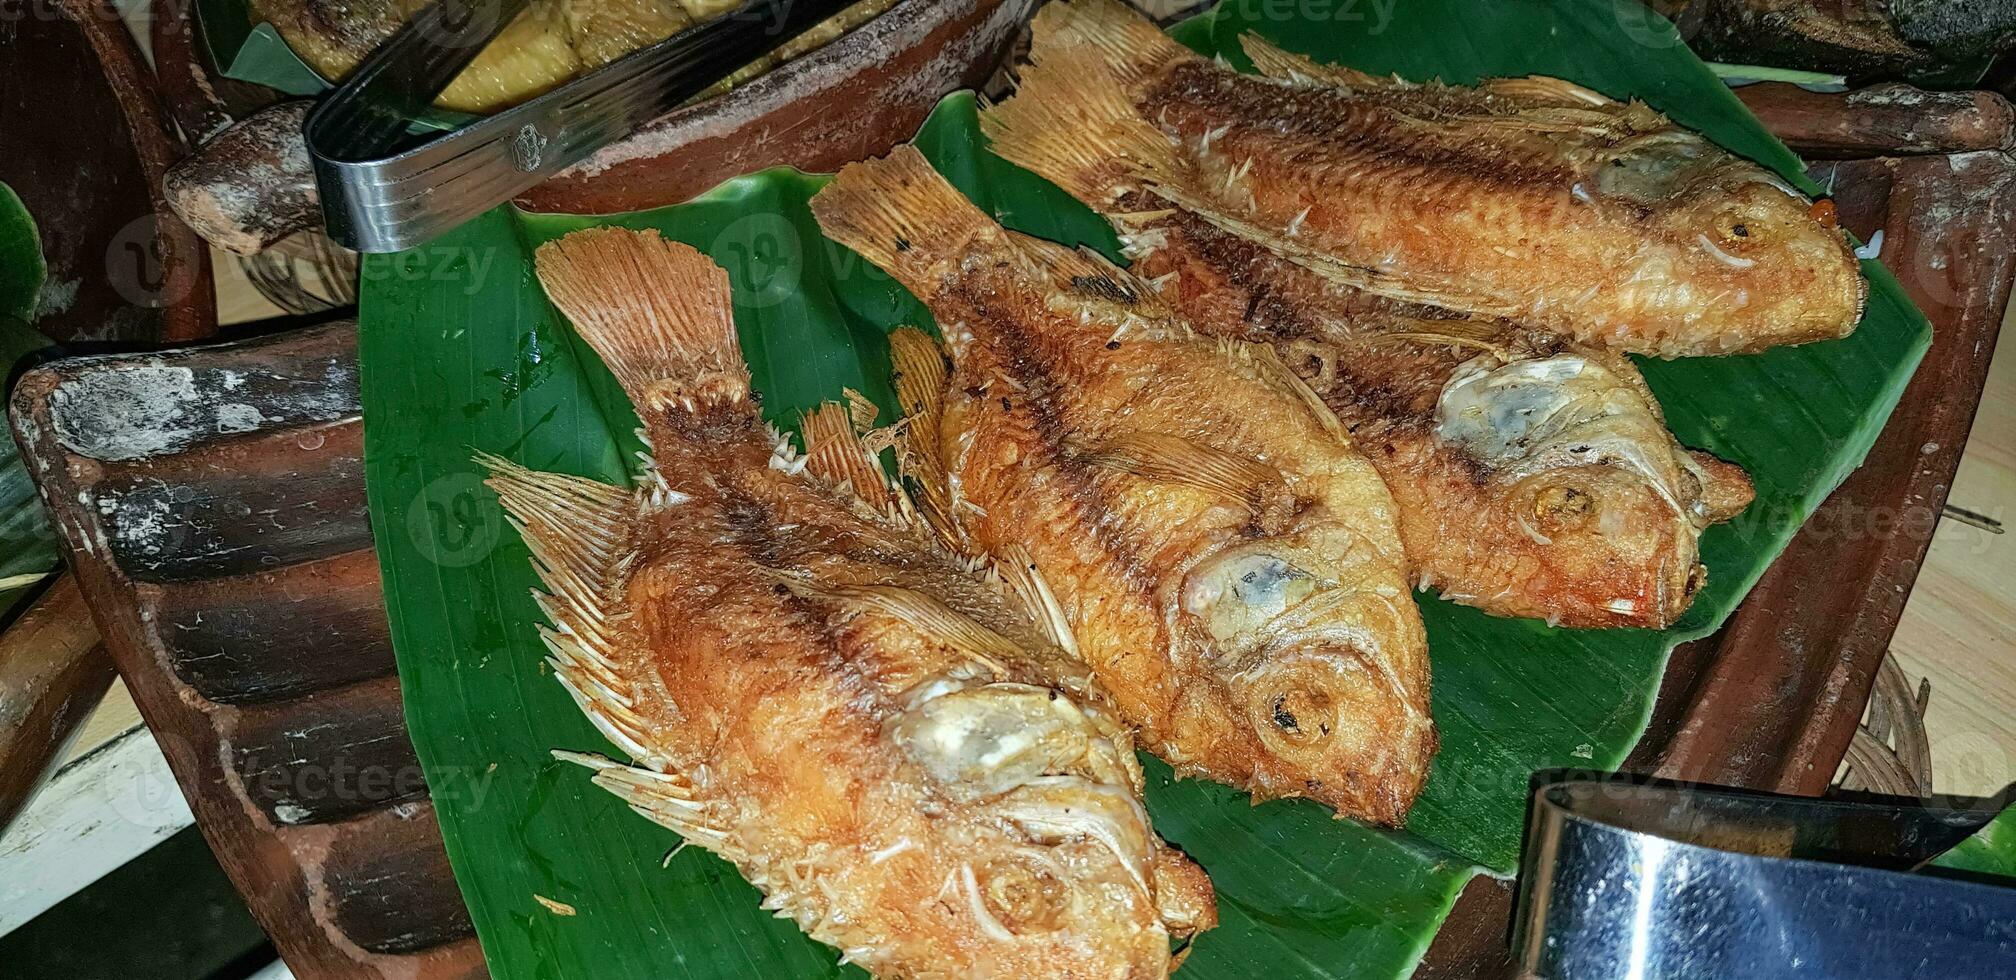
(27, 542)
(1991, 851)
(462, 352)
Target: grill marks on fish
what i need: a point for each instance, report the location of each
(888, 740)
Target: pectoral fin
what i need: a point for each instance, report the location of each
(1174, 459)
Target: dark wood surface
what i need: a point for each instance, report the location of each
(211, 502)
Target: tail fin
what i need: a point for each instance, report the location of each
(901, 215)
(658, 312)
(1131, 45)
(1072, 123)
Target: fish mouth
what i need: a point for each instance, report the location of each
(1341, 727)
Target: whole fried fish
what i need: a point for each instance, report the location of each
(877, 734)
(1535, 475)
(1530, 199)
(1228, 564)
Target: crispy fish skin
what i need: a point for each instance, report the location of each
(1535, 476)
(875, 732)
(1229, 566)
(1529, 199)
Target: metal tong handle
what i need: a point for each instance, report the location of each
(380, 197)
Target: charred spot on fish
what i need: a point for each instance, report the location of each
(781, 589)
(975, 391)
(1105, 288)
(1112, 345)
(1696, 577)
(1006, 405)
(903, 244)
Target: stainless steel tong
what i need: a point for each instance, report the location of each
(1624, 881)
(384, 188)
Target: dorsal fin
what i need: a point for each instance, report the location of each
(835, 454)
(1279, 63)
(1544, 88)
(578, 532)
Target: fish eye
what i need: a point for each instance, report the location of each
(1022, 897)
(1563, 508)
(1301, 714)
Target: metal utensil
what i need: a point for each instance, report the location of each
(1630, 881)
(381, 192)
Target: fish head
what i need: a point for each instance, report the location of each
(1329, 672)
(1061, 846)
(1746, 237)
(1603, 506)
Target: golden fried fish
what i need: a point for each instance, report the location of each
(1229, 566)
(1535, 475)
(1530, 199)
(875, 732)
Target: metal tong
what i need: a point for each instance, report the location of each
(1624, 880)
(382, 192)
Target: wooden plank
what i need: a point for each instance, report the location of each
(96, 814)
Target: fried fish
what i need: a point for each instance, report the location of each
(1535, 475)
(874, 731)
(1228, 565)
(1528, 199)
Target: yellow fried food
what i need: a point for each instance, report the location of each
(1534, 474)
(1530, 199)
(876, 732)
(1229, 565)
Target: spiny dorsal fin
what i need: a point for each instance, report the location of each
(904, 217)
(1278, 63)
(835, 454)
(1070, 121)
(1171, 458)
(1130, 45)
(658, 312)
(578, 532)
(920, 389)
